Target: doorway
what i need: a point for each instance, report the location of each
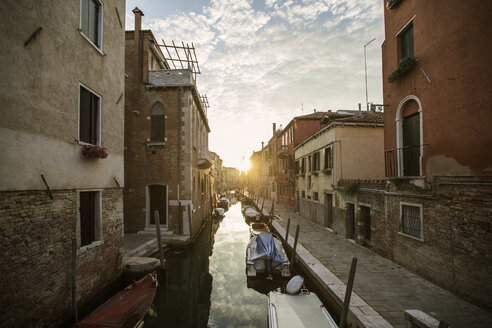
(329, 210)
(365, 218)
(157, 201)
(350, 215)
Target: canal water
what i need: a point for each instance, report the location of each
(205, 285)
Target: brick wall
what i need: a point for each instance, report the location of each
(456, 250)
(36, 263)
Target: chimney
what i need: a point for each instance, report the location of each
(274, 128)
(315, 110)
(262, 143)
(138, 20)
(359, 107)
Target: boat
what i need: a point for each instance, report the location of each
(298, 308)
(255, 228)
(265, 255)
(125, 309)
(218, 213)
(223, 203)
(251, 215)
(245, 207)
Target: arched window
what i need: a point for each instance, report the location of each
(157, 123)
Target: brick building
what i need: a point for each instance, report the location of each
(433, 212)
(167, 162)
(61, 212)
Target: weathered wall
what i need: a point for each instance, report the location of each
(456, 101)
(36, 262)
(40, 95)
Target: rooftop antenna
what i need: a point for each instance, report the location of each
(302, 108)
(365, 71)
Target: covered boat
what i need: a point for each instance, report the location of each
(218, 213)
(223, 202)
(125, 309)
(250, 214)
(256, 228)
(301, 310)
(265, 254)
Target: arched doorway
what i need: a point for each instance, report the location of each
(409, 137)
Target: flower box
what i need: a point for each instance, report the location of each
(326, 171)
(92, 151)
(404, 66)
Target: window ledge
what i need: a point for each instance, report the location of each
(92, 43)
(87, 247)
(156, 143)
(410, 236)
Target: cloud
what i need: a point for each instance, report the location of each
(260, 64)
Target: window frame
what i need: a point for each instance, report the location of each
(99, 26)
(99, 116)
(400, 221)
(164, 138)
(98, 235)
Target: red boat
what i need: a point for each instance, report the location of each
(125, 309)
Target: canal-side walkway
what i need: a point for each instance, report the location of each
(385, 286)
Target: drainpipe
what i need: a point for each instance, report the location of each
(180, 218)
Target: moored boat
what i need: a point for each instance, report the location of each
(125, 309)
(218, 213)
(265, 255)
(297, 308)
(255, 228)
(223, 203)
(251, 215)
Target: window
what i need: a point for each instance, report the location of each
(315, 196)
(328, 158)
(309, 164)
(292, 134)
(406, 40)
(309, 182)
(157, 123)
(297, 167)
(316, 161)
(411, 220)
(91, 21)
(89, 116)
(303, 165)
(89, 217)
(303, 193)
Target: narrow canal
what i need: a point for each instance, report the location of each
(205, 285)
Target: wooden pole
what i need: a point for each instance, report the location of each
(287, 232)
(263, 203)
(74, 280)
(348, 293)
(294, 250)
(159, 240)
(189, 218)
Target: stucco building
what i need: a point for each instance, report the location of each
(231, 178)
(348, 147)
(167, 162)
(61, 212)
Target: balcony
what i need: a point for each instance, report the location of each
(291, 175)
(283, 151)
(403, 162)
(204, 158)
(171, 77)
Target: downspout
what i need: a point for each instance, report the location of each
(180, 218)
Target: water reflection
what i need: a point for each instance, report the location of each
(206, 285)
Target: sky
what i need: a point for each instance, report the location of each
(267, 61)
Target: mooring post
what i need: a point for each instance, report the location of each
(74, 280)
(348, 293)
(159, 241)
(190, 219)
(263, 203)
(287, 232)
(294, 250)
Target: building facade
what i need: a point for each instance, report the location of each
(167, 162)
(349, 147)
(438, 193)
(61, 182)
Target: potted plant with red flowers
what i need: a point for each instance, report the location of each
(93, 151)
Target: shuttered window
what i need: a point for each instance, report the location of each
(90, 21)
(89, 216)
(157, 123)
(328, 158)
(89, 117)
(406, 38)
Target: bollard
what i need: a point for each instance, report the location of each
(159, 241)
(261, 211)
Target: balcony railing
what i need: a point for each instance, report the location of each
(283, 151)
(403, 162)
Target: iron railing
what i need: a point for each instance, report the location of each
(283, 151)
(404, 161)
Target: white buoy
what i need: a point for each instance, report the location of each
(294, 285)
